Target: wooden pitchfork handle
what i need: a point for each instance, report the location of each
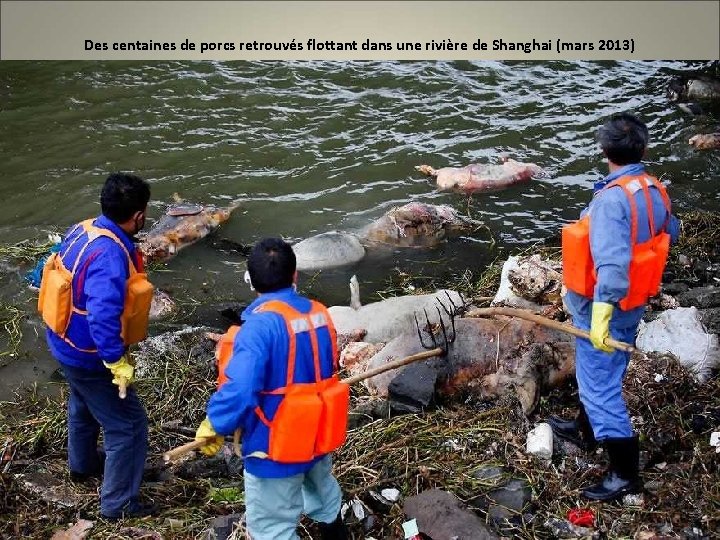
(438, 351)
(180, 451)
(550, 323)
(195, 445)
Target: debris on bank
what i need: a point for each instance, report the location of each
(461, 463)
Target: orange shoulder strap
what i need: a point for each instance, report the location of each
(649, 207)
(297, 322)
(320, 308)
(93, 232)
(622, 183)
(666, 200)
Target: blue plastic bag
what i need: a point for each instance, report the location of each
(34, 276)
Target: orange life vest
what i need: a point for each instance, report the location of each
(311, 419)
(648, 258)
(224, 351)
(55, 300)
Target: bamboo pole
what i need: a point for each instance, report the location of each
(550, 323)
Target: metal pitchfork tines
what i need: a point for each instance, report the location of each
(452, 311)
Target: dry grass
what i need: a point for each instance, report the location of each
(440, 448)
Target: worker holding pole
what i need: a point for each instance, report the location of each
(279, 386)
(613, 260)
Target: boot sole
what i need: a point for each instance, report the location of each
(630, 490)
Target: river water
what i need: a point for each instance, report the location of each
(308, 147)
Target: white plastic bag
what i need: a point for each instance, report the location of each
(680, 332)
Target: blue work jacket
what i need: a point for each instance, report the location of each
(99, 286)
(259, 364)
(610, 244)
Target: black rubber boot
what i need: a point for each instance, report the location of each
(623, 477)
(578, 432)
(333, 531)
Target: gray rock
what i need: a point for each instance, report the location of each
(369, 523)
(50, 489)
(412, 390)
(701, 297)
(442, 516)
(653, 486)
(510, 499)
(223, 465)
(562, 528)
(675, 288)
(223, 526)
(499, 513)
(694, 533)
(491, 473)
(367, 412)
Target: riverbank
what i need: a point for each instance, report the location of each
(474, 448)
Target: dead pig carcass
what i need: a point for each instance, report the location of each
(531, 283)
(488, 358)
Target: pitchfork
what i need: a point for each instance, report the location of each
(434, 348)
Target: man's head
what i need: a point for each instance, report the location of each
(271, 265)
(124, 200)
(623, 139)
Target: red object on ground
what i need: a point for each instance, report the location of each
(582, 517)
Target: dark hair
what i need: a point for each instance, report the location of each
(271, 265)
(123, 195)
(623, 139)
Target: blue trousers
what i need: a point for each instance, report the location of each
(94, 404)
(599, 377)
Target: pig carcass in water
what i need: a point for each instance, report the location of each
(182, 225)
(481, 177)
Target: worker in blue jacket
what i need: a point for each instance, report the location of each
(603, 415)
(92, 353)
(276, 494)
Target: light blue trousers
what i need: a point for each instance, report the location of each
(273, 506)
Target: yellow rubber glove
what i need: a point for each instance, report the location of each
(207, 433)
(122, 369)
(600, 325)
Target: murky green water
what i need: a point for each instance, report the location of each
(309, 147)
